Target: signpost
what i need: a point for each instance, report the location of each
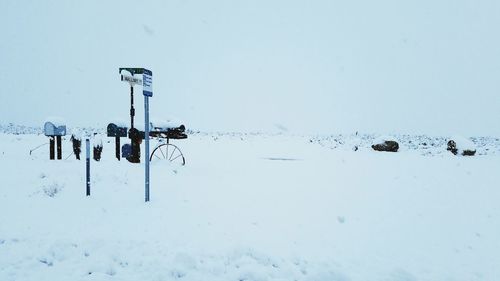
(147, 91)
(87, 165)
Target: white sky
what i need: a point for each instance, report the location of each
(310, 66)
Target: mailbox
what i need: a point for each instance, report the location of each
(117, 131)
(126, 150)
(136, 138)
(114, 130)
(52, 130)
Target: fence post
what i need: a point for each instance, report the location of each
(59, 147)
(117, 147)
(87, 146)
(52, 148)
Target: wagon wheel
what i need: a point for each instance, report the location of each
(169, 152)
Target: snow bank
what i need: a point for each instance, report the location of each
(230, 214)
(77, 133)
(168, 123)
(461, 146)
(97, 140)
(463, 143)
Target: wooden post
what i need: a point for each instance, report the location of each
(59, 148)
(51, 148)
(117, 147)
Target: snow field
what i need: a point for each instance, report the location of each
(249, 207)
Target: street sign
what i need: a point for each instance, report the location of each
(147, 83)
(131, 79)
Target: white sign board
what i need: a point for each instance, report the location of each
(147, 83)
(131, 79)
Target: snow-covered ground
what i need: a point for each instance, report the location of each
(253, 207)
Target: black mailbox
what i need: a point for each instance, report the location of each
(117, 132)
(114, 130)
(54, 132)
(126, 150)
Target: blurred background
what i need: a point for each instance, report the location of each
(315, 67)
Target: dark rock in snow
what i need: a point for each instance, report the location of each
(452, 146)
(468, 152)
(387, 145)
(462, 146)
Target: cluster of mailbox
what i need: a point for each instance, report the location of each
(130, 151)
(55, 134)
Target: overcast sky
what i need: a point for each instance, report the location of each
(385, 66)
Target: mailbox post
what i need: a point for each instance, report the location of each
(51, 148)
(117, 132)
(59, 147)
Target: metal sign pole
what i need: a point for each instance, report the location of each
(87, 146)
(146, 137)
(147, 91)
(132, 109)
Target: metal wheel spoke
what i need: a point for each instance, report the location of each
(159, 147)
(170, 154)
(170, 158)
(176, 157)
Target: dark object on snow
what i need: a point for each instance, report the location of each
(114, 130)
(97, 152)
(126, 150)
(390, 146)
(117, 132)
(77, 146)
(468, 152)
(52, 144)
(452, 146)
(136, 138)
(169, 133)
